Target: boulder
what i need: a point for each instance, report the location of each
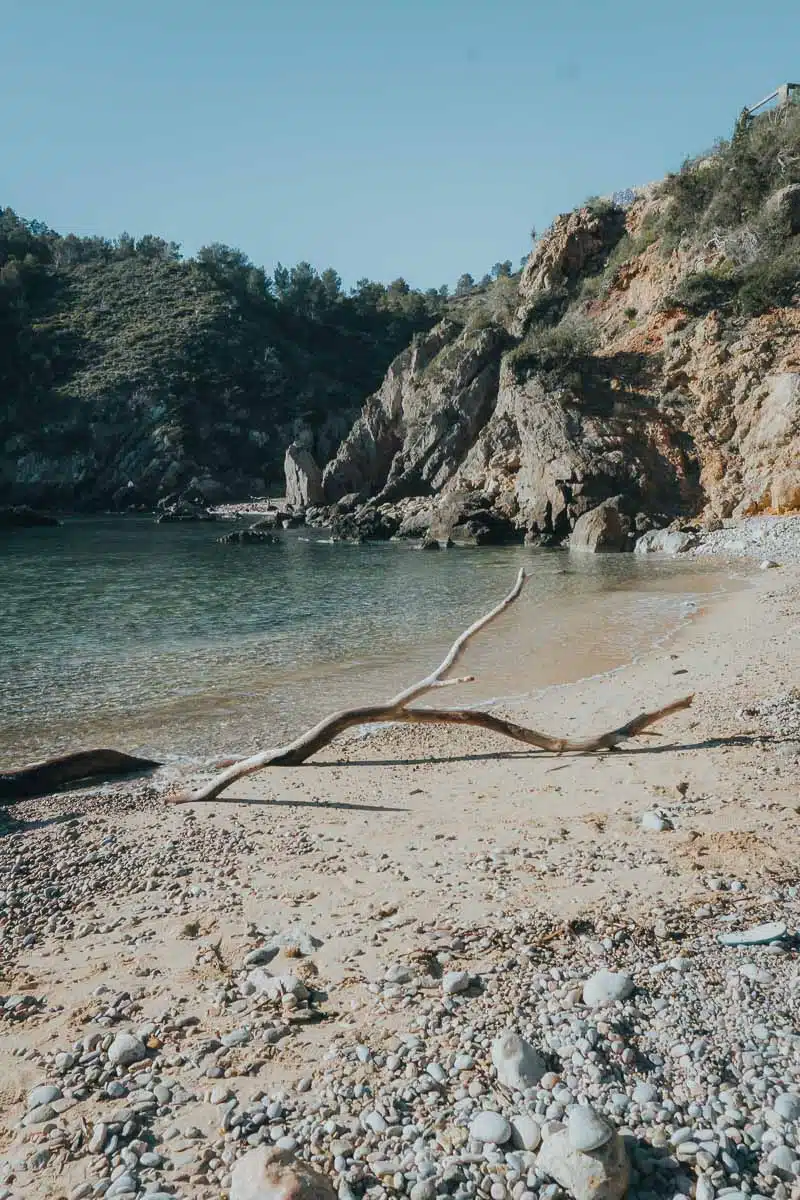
(20, 516)
(785, 205)
(247, 537)
(269, 1174)
(665, 541)
(601, 529)
(600, 1174)
(468, 519)
(303, 477)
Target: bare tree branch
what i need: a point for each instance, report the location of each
(397, 710)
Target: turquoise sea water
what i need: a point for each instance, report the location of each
(155, 638)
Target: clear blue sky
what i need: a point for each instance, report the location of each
(383, 137)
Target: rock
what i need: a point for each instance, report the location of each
(787, 1106)
(525, 1132)
(399, 973)
(123, 1185)
(488, 1126)
(45, 1094)
(455, 981)
(297, 939)
(756, 936)
(20, 516)
(604, 528)
(645, 1093)
(249, 537)
(653, 822)
(40, 1114)
(606, 987)
(783, 1160)
(126, 1049)
(303, 477)
(586, 1129)
(519, 1065)
(664, 541)
(268, 1174)
(600, 1175)
(785, 205)
(767, 564)
(276, 986)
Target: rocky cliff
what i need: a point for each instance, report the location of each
(651, 355)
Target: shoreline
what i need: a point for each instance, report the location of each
(396, 860)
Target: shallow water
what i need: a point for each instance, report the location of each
(156, 639)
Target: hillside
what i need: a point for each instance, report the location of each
(122, 365)
(649, 353)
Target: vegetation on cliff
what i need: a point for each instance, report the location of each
(120, 361)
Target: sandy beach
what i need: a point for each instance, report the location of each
(402, 856)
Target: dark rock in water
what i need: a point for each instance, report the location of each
(246, 537)
(367, 524)
(20, 516)
(467, 519)
(430, 544)
(189, 505)
(270, 521)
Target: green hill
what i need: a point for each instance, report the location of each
(122, 364)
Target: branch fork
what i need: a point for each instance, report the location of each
(397, 710)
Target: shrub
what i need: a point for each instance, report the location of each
(704, 290)
(768, 284)
(555, 349)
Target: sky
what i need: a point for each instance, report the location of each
(421, 138)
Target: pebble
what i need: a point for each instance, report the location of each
(487, 1126)
(756, 936)
(606, 987)
(654, 822)
(787, 1106)
(126, 1049)
(519, 1065)
(586, 1129)
(454, 982)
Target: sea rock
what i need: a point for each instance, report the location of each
(756, 936)
(603, 528)
(767, 564)
(602, 1174)
(665, 541)
(21, 516)
(519, 1065)
(606, 987)
(303, 477)
(126, 1049)
(587, 1130)
(488, 1126)
(249, 537)
(269, 1174)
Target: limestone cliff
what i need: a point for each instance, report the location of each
(635, 364)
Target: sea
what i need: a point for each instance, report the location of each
(159, 640)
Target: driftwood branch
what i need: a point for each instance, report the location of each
(397, 710)
(54, 774)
